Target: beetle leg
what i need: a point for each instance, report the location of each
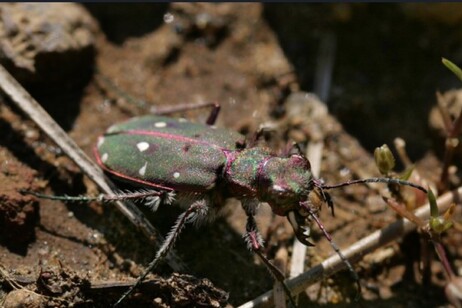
(151, 198)
(213, 114)
(253, 139)
(195, 211)
(254, 242)
(185, 107)
(292, 148)
(250, 206)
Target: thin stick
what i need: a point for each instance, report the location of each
(24, 101)
(356, 251)
(325, 66)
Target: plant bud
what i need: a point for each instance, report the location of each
(384, 159)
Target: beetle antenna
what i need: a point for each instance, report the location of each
(374, 180)
(332, 242)
(327, 198)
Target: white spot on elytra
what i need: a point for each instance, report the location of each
(104, 157)
(182, 120)
(100, 142)
(142, 170)
(176, 175)
(142, 146)
(278, 188)
(160, 124)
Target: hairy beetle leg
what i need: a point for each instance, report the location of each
(151, 198)
(254, 242)
(196, 211)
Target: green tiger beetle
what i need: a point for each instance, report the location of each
(200, 166)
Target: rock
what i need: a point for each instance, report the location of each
(46, 43)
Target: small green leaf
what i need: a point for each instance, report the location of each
(439, 224)
(454, 68)
(406, 174)
(434, 212)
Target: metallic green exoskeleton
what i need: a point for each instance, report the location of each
(208, 163)
(204, 165)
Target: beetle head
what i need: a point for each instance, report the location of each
(284, 182)
(301, 218)
(288, 186)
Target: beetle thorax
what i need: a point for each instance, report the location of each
(281, 181)
(243, 169)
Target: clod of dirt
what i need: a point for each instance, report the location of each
(185, 291)
(18, 213)
(61, 283)
(201, 22)
(55, 286)
(46, 43)
(23, 298)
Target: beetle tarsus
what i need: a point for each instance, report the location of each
(64, 198)
(152, 198)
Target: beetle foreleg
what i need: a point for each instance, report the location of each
(250, 206)
(190, 215)
(253, 139)
(255, 243)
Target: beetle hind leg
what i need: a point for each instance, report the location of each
(151, 198)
